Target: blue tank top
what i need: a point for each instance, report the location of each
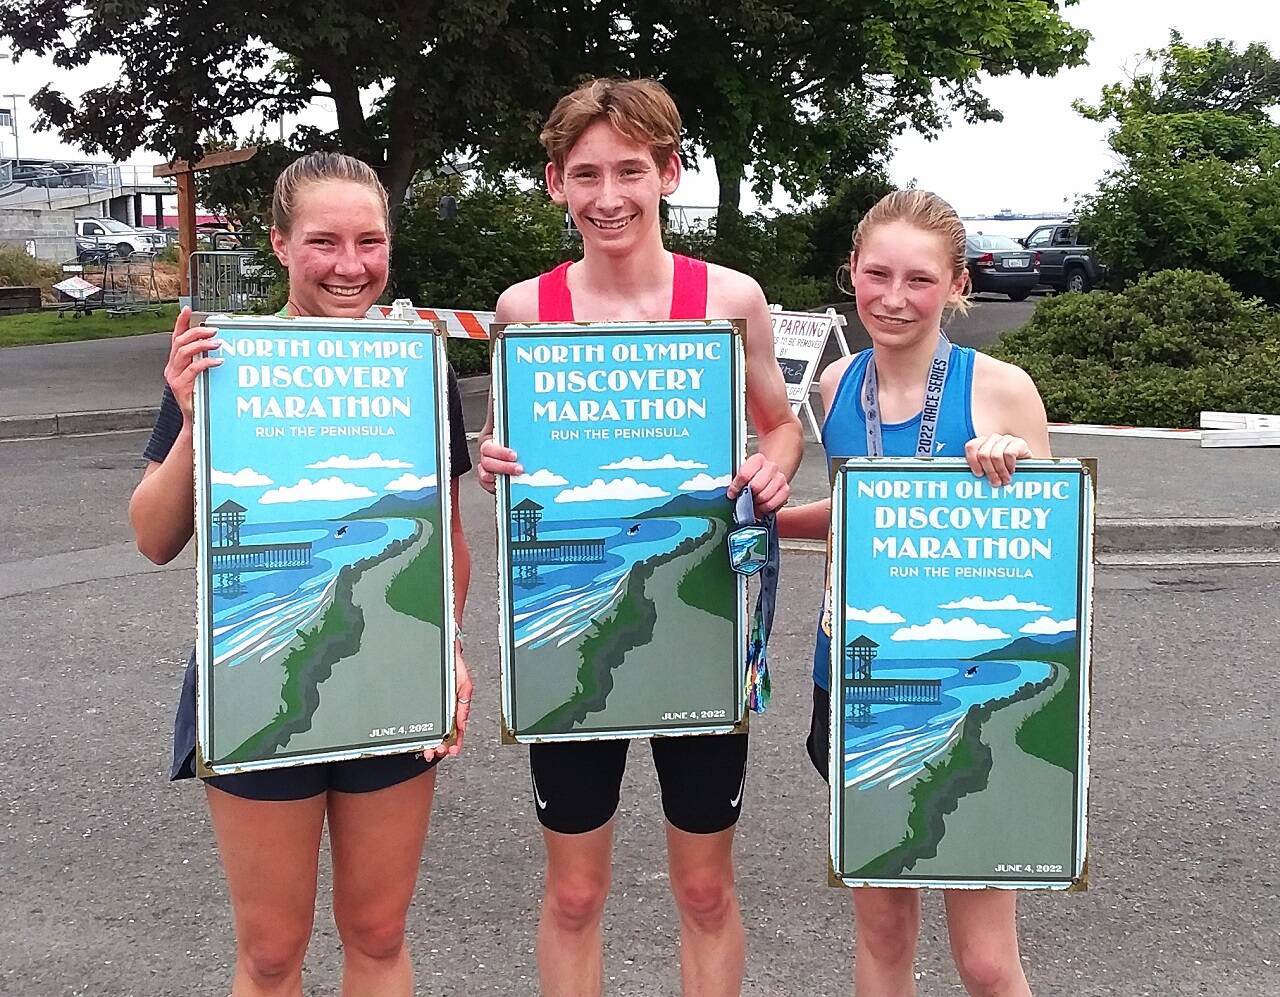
(844, 434)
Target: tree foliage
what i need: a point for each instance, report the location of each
(1199, 184)
(806, 93)
(448, 77)
(802, 93)
(501, 234)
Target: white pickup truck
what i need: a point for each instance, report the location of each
(117, 237)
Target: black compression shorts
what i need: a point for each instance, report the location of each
(576, 783)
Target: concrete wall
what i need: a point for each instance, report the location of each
(51, 233)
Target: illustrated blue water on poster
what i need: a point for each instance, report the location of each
(960, 658)
(324, 542)
(621, 615)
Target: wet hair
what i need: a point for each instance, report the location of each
(928, 212)
(642, 110)
(319, 167)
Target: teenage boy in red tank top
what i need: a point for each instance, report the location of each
(614, 151)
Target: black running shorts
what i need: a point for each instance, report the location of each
(819, 743)
(301, 782)
(576, 783)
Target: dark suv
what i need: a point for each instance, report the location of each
(1066, 261)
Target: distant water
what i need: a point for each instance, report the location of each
(902, 738)
(275, 605)
(569, 597)
(1014, 229)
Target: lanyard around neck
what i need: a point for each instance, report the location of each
(929, 414)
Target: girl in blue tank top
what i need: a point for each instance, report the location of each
(914, 394)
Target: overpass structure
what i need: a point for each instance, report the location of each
(40, 199)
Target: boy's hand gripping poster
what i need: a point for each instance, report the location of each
(322, 516)
(620, 613)
(960, 637)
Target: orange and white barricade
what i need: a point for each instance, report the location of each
(460, 324)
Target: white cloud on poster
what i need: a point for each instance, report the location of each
(541, 478)
(965, 628)
(705, 482)
(626, 489)
(344, 463)
(667, 462)
(325, 490)
(411, 483)
(1009, 602)
(877, 614)
(246, 477)
(1046, 626)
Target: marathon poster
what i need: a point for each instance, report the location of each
(620, 614)
(322, 518)
(960, 636)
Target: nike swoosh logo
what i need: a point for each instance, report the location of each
(937, 447)
(542, 804)
(738, 799)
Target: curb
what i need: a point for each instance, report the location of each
(123, 420)
(1184, 534)
(19, 427)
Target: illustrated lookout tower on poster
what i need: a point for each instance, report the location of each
(528, 552)
(862, 691)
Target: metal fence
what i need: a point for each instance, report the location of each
(228, 281)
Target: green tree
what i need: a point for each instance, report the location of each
(1199, 184)
(448, 78)
(805, 93)
(501, 234)
(798, 92)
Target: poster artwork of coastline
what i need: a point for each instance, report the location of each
(325, 582)
(620, 614)
(960, 674)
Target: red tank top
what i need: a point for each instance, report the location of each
(688, 291)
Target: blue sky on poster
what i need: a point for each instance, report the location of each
(305, 474)
(596, 473)
(1040, 158)
(962, 614)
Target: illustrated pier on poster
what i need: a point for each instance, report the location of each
(620, 613)
(325, 594)
(960, 637)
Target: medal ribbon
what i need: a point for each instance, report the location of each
(929, 414)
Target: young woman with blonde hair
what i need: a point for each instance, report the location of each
(331, 232)
(908, 274)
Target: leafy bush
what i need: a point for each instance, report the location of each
(17, 269)
(1158, 353)
(501, 235)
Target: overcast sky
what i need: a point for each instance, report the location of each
(1041, 157)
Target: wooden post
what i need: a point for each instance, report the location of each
(186, 229)
(185, 174)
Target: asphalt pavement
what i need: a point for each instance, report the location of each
(109, 881)
(110, 885)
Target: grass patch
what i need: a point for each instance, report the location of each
(710, 584)
(1053, 731)
(47, 327)
(417, 590)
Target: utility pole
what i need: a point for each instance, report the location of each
(14, 98)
